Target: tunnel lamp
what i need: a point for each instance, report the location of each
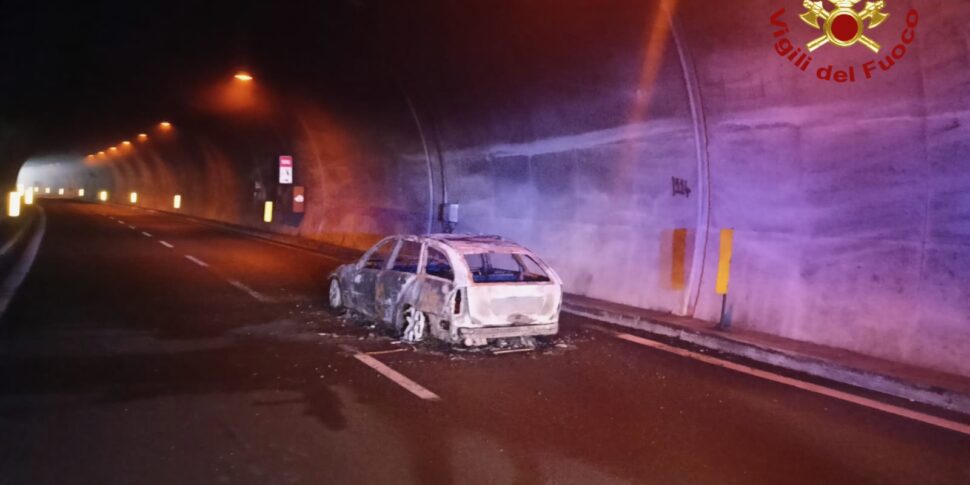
(133, 197)
(13, 204)
(177, 201)
(103, 196)
(113, 149)
(101, 153)
(47, 190)
(243, 76)
(60, 191)
(142, 137)
(268, 211)
(29, 197)
(80, 192)
(36, 189)
(165, 125)
(126, 143)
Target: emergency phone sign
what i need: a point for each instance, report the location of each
(286, 169)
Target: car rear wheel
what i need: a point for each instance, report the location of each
(336, 297)
(415, 325)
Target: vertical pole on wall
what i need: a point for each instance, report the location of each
(724, 274)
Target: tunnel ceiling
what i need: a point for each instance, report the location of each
(81, 74)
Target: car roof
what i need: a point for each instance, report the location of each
(477, 243)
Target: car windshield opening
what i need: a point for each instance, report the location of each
(505, 268)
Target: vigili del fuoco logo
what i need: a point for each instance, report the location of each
(843, 26)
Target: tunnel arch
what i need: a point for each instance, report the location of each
(539, 120)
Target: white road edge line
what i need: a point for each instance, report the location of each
(253, 293)
(14, 240)
(805, 386)
(146, 234)
(19, 272)
(163, 243)
(397, 377)
(197, 261)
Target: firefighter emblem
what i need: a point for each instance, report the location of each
(844, 26)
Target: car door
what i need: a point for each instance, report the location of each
(363, 285)
(394, 281)
(437, 280)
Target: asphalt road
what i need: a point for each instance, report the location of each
(124, 361)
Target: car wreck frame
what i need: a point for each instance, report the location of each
(423, 285)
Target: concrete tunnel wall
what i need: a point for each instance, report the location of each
(569, 128)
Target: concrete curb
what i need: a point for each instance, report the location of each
(922, 393)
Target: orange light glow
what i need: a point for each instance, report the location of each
(113, 149)
(126, 143)
(165, 125)
(243, 76)
(142, 137)
(101, 153)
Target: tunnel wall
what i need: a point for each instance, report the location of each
(617, 141)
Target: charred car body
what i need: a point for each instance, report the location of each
(457, 288)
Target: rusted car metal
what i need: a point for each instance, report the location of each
(461, 289)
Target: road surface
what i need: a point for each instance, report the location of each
(148, 348)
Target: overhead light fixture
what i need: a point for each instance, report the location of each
(243, 76)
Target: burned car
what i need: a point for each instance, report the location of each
(461, 289)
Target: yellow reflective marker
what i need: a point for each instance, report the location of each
(29, 197)
(80, 192)
(103, 195)
(724, 262)
(133, 197)
(13, 204)
(177, 201)
(268, 211)
(678, 274)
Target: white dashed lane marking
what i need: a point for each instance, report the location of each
(393, 375)
(146, 234)
(163, 243)
(133, 228)
(197, 261)
(253, 293)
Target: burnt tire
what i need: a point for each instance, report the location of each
(414, 326)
